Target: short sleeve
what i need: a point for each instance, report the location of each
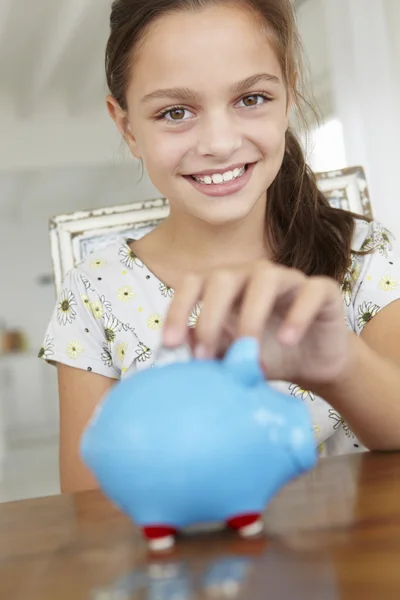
(76, 335)
(376, 276)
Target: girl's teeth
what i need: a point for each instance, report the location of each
(228, 176)
(219, 178)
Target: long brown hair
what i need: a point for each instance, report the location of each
(303, 230)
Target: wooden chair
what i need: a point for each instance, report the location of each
(74, 236)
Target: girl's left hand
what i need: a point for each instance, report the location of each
(298, 320)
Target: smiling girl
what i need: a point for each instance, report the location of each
(202, 92)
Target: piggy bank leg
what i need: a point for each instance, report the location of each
(160, 538)
(247, 525)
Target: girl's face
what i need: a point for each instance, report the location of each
(208, 112)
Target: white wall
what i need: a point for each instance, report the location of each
(53, 136)
(393, 20)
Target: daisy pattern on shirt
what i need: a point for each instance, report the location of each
(298, 392)
(111, 327)
(335, 417)
(47, 349)
(97, 309)
(106, 304)
(125, 294)
(121, 351)
(194, 317)
(355, 268)
(106, 356)
(366, 311)
(388, 284)
(97, 263)
(351, 276)
(143, 352)
(340, 423)
(86, 301)
(347, 290)
(129, 258)
(384, 242)
(65, 309)
(74, 348)
(380, 240)
(166, 291)
(154, 322)
(86, 282)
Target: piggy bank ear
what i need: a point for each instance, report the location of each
(243, 361)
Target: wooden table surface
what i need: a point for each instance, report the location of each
(332, 534)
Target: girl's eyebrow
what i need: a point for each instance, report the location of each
(187, 95)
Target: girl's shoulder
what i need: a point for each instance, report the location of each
(372, 236)
(108, 314)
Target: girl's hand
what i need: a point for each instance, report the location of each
(298, 320)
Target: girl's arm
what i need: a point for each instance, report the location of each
(368, 394)
(79, 393)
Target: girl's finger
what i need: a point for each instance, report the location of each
(185, 298)
(222, 290)
(311, 301)
(267, 285)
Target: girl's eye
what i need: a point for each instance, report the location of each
(177, 113)
(254, 100)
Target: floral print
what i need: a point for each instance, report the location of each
(97, 309)
(106, 356)
(110, 312)
(125, 294)
(194, 317)
(380, 240)
(86, 301)
(298, 392)
(366, 311)
(86, 282)
(65, 311)
(340, 423)
(143, 352)
(97, 264)
(74, 349)
(121, 351)
(47, 350)
(166, 291)
(388, 284)
(154, 322)
(111, 327)
(129, 258)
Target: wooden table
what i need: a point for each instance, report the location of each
(332, 534)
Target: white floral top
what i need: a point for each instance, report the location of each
(110, 313)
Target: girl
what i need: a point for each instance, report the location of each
(201, 91)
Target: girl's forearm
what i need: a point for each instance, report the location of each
(367, 396)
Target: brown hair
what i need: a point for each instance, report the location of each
(304, 231)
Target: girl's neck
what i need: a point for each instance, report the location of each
(182, 244)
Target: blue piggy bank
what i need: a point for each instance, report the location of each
(198, 442)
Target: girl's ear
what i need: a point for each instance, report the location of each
(120, 118)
